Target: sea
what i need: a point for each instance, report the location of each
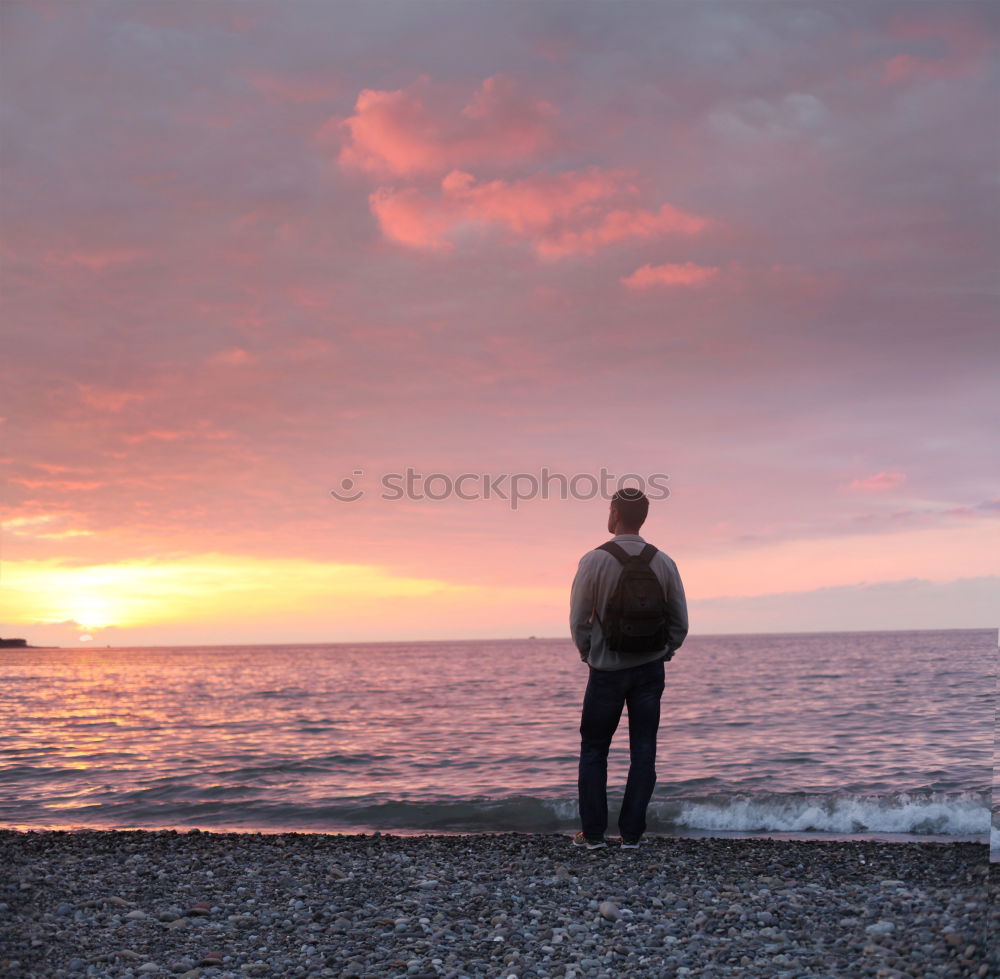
(885, 735)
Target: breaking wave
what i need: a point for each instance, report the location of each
(937, 814)
(940, 815)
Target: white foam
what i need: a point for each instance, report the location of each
(960, 815)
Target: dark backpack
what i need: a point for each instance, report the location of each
(636, 618)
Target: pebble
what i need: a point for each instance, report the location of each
(227, 906)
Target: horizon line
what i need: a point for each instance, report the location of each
(473, 639)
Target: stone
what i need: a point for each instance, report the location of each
(609, 911)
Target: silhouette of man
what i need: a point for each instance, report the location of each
(618, 679)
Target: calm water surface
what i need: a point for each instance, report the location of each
(851, 733)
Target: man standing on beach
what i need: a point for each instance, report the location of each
(619, 677)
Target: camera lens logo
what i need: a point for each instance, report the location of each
(347, 493)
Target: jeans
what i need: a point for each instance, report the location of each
(608, 691)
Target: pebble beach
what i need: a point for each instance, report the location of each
(220, 905)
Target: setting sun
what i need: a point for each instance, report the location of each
(213, 589)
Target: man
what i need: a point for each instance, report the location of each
(618, 678)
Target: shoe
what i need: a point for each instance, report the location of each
(591, 844)
(630, 842)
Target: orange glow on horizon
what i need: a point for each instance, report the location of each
(220, 588)
(217, 593)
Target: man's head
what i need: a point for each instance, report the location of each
(627, 514)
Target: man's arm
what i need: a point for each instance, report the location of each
(677, 628)
(581, 607)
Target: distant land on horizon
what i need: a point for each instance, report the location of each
(22, 644)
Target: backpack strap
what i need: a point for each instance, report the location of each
(616, 550)
(646, 554)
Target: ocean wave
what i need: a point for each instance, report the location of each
(936, 815)
(930, 814)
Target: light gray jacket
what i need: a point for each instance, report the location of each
(595, 581)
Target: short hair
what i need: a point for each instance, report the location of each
(632, 506)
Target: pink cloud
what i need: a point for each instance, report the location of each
(55, 468)
(687, 274)
(411, 218)
(107, 399)
(908, 67)
(174, 435)
(160, 434)
(880, 481)
(232, 356)
(532, 204)
(941, 46)
(573, 212)
(63, 484)
(618, 225)
(407, 131)
(96, 260)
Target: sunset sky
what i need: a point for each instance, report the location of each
(254, 247)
